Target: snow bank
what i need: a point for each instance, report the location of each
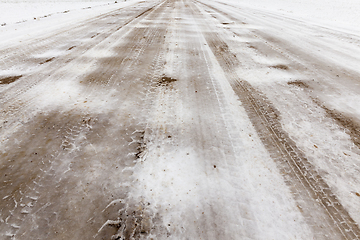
(332, 13)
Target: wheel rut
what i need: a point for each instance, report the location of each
(91, 154)
(319, 205)
(11, 98)
(29, 210)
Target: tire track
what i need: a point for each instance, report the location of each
(130, 218)
(38, 213)
(318, 41)
(40, 146)
(322, 209)
(62, 42)
(56, 41)
(11, 99)
(350, 38)
(34, 45)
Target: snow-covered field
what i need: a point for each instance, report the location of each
(18, 11)
(340, 14)
(337, 14)
(208, 119)
(23, 20)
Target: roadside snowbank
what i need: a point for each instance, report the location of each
(342, 14)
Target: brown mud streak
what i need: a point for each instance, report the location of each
(47, 60)
(280, 66)
(166, 81)
(299, 83)
(352, 128)
(288, 157)
(8, 80)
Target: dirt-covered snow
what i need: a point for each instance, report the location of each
(179, 119)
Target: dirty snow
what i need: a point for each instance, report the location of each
(178, 179)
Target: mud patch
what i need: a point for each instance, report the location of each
(299, 83)
(166, 81)
(28, 158)
(47, 60)
(135, 220)
(8, 80)
(280, 66)
(141, 146)
(94, 35)
(351, 126)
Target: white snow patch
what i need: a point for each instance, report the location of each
(17, 22)
(342, 14)
(21, 11)
(69, 94)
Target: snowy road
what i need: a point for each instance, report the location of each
(180, 120)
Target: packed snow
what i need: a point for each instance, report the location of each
(188, 152)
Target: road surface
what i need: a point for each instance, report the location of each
(181, 119)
